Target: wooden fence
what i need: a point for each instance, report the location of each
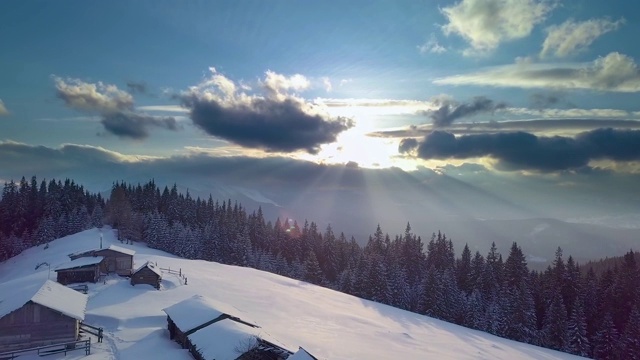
(61, 348)
(178, 272)
(95, 331)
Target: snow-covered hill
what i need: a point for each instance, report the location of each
(329, 324)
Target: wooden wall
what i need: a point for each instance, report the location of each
(35, 325)
(121, 264)
(146, 276)
(71, 276)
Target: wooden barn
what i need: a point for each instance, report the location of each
(193, 322)
(80, 270)
(37, 314)
(147, 274)
(117, 259)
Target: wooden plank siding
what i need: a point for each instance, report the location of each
(78, 275)
(121, 264)
(146, 276)
(35, 325)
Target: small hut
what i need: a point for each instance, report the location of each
(36, 314)
(80, 270)
(147, 274)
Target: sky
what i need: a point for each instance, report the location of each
(527, 90)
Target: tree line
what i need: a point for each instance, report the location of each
(564, 307)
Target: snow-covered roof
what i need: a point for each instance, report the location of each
(80, 262)
(151, 267)
(50, 294)
(228, 339)
(121, 249)
(197, 310)
(301, 354)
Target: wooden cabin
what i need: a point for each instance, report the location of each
(147, 274)
(117, 259)
(37, 314)
(80, 270)
(193, 322)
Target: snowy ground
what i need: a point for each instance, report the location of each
(329, 324)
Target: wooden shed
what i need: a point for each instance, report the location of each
(37, 314)
(147, 274)
(80, 270)
(117, 259)
(193, 322)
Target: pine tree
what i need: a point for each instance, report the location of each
(606, 339)
(555, 324)
(312, 271)
(630, 340)
(577, 332)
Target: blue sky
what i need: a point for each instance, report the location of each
(410, 84)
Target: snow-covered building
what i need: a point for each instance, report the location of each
(147, 274)
(302, 354)
(36, 313)
(117, 259)
(214, 330)
(79, 270)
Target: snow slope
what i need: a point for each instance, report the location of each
(329, 324)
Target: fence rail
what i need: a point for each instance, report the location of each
(178, 272)
(50, 349)
(93, 330)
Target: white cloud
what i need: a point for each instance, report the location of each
(345, 81)
(572, 37)
(3, 109)
(163, 108)
(327, 84)
(484, 24)
(431, 46)
(277, 85)
(98, 97)
(614, 72)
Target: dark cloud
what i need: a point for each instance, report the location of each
(137, 87)
(537, 125)
(135, 126)
(450, 110)
(407, 145)
(274, 118)
(114, 105)
(547, 100)
(525, 151)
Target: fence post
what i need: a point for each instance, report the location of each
(180, 272)
(100, 335)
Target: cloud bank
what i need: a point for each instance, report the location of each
(276, 119)
(484, 24)
(573, 37)
(115, 106)
(614, 72)
(525, 151)
(448, 110)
